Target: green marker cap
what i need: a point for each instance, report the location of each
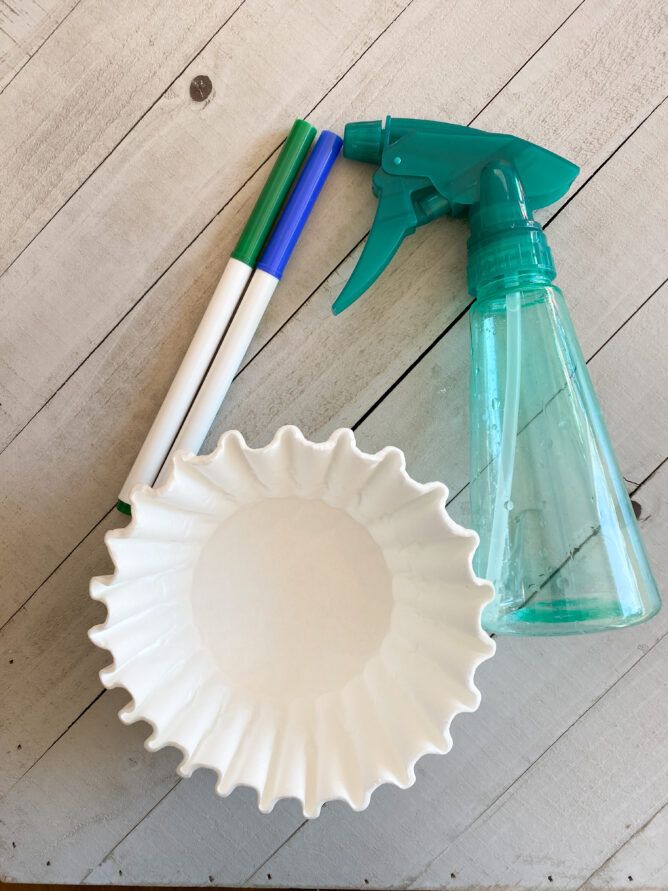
(273, 194)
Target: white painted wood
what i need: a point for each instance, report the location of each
(641, 862)
(422, 293)
(401, 829)
(582, 94)
(533, 691)
(77, 98)
(167, 815)
(74, 831)
(46, 640)
(25, 25)
(191, 374)
(608, 774)
(102, 408)
(107, 384)
(164, 183)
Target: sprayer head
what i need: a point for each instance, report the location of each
(363, 141)
(427, 169)
(506, 243)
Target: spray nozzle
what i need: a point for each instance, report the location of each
(428, 169)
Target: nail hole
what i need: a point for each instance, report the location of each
(630, 878)
(11, 661)
(120, 872)
(269, 876)
(211, 878)
(637, 509)
(452, 875)
(48, 863)
(366, 881)
(13, 844)
(200, 88)
(550, 879)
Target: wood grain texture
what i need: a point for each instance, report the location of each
(100, 306)
(403, 413)
(161, 827)
(533, 692)
(99, 395)
(166, 179)
(641, 862)
(546, 704)
(608, 773)
(24, 28)
(92, 81)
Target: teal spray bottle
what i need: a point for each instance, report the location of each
(558, 536)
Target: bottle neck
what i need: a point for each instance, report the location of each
(508, 284)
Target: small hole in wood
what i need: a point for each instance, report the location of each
(13, 844)
(630, 878)
(452, 874)
(11, 661)
(48, 863)
(120, 872)
(269, 876)
(200, 88)
(550, 879)
(211, 878)
(19, 746)
(366, 881)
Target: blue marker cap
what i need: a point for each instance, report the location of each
(300, 203)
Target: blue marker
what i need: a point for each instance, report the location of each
(253, 304)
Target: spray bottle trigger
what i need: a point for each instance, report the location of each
(396, 217)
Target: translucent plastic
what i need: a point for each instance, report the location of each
(558, 536)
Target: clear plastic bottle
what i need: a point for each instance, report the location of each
(558, 535)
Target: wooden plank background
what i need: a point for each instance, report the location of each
(120, 197)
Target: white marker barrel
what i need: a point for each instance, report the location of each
(223, 368)
(181, 394)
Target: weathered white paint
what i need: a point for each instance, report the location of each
(641, 862)
(24, 28)
(583, 93)
(333, 363)
(90, 83)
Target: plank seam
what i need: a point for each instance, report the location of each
(267, 859)
(633, 314)
(526, 62)
(55, 569)
(389, 390)
(472, 823)
(47, 38)
(603, 163)
(57, 739)
(517, 779)
(194, 238)
(450, 325)
(622, 845)
(121, 140)
(366, 414)
(120, 842)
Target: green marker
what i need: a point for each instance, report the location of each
(218, 314)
